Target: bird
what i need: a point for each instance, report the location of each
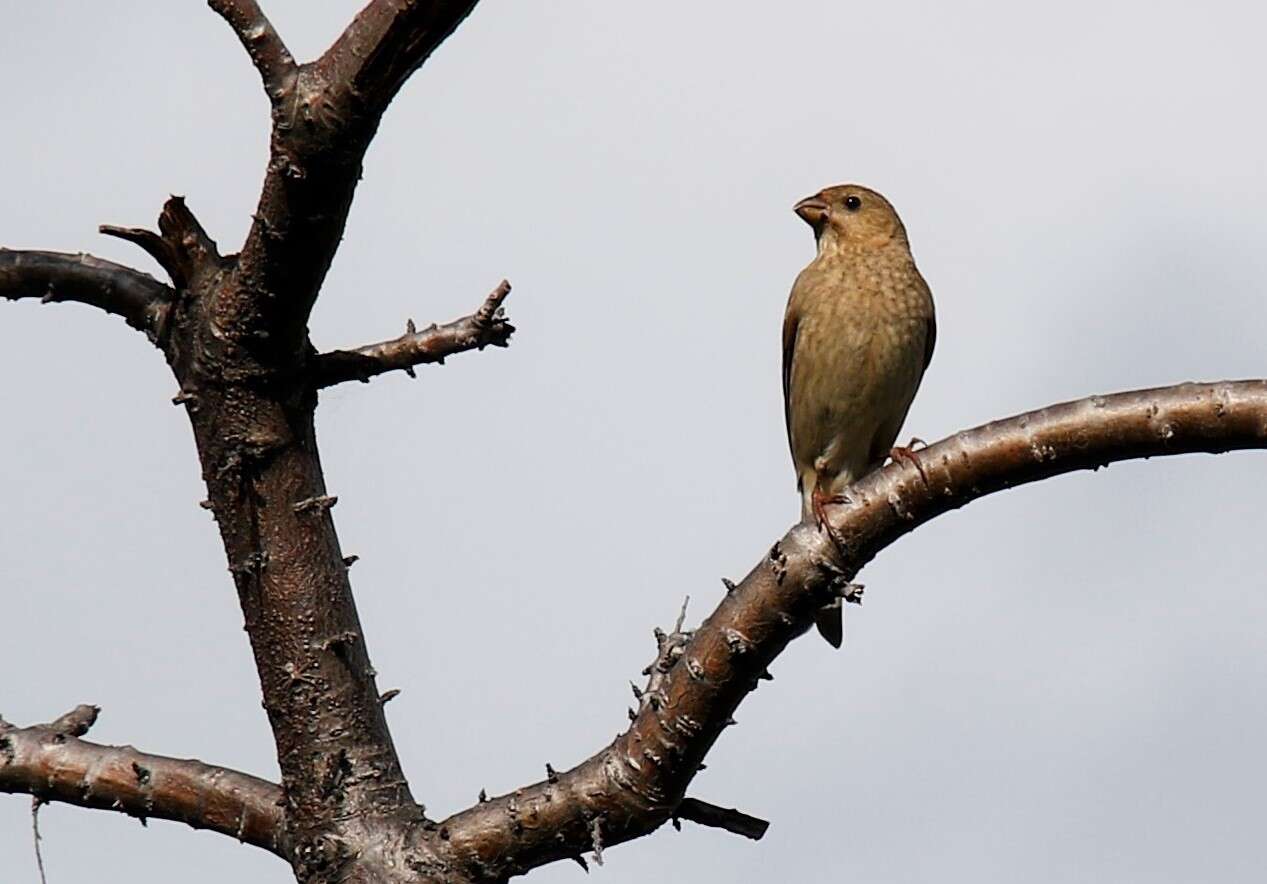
(858, 335)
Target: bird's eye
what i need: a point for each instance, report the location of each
(852, 203)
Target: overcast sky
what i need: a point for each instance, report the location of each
(1062, 683)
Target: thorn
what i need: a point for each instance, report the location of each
(701, 766)
(322, 503)
(765, 675)
(580, 860)
(852, 593)
(184, 396)
(349, 561)
(737, 642)
(660, 637)
(205, 504)
(387, 696)
(339, 641)
(633, 716)
(483, 799)
(409, 370)
(637, 691)
(677, 824)
(596, 835)
(552, 775)
(681, 617)
(410, 328)
(729, 722)
(729, 584)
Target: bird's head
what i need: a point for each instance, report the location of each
(848, 217)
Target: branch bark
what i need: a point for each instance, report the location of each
(139, 298)
(727, 818)
(637, 783)
(262, 42)
(386, 42)
(487, 326)
(50, 763)
(324, 117)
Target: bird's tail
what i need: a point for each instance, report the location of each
(830, 618)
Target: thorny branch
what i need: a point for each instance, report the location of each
(487, 326)
(139, 298)
(637, 783)
(50, 763)
(234, 331)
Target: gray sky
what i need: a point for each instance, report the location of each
(1062, 683)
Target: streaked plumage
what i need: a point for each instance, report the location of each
(857, 336)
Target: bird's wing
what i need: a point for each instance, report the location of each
(930, 340)
(791, 321)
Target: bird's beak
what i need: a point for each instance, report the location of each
(813, 211)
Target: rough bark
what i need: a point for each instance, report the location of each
(49, 762)
(234, 331)
(698, 680)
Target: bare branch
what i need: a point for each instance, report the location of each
(50, 763)
(386, 42)
(267, 50)
(637, 783)
(727, 818)
(487, 326)
(139, 298)
(319, 141)
(181, 247)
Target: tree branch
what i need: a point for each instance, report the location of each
(727, 818)
(637, 783)
(262, 42)
(386, 42)
(48, 762)
(139, 298)
(324, 115)
(486, 326)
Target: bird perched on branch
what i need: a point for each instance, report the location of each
(857, 336)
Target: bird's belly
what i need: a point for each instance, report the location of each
(853, 383)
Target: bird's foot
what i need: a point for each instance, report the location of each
(907, 453)
(820, 500)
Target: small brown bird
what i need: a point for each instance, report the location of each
(857, 336)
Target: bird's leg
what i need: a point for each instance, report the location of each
(820, 499)
(907, 453)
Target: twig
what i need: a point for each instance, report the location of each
(727, 818)
(262, 42)
(36, 804)
(487, 326)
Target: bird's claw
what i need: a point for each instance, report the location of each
(819, 502)
(906, 453)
